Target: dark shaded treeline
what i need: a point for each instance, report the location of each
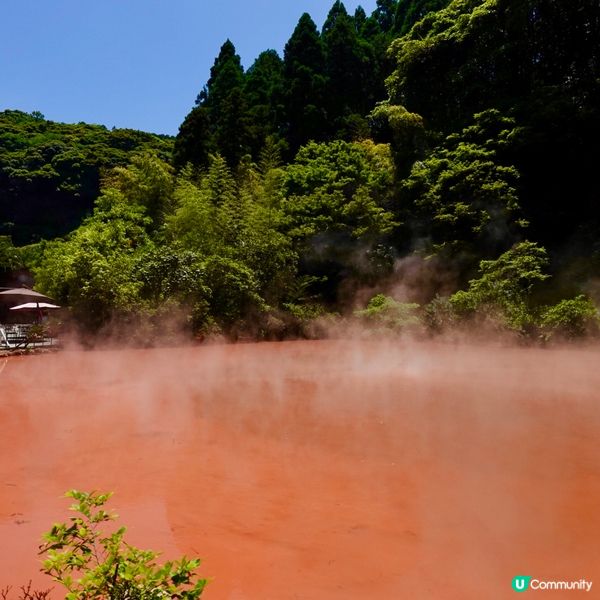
(536, 62)
(322, 89)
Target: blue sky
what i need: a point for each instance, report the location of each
(132, 63)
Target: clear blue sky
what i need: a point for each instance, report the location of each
(132, 63)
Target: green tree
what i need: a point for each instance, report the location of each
(403, 130)
(240, 220)
(409, 12)
(194, 222)
(265, 90)
(505, 287)
(233, 135)
(171, 273)
(235, 291)
(206, 214)
(435, 57)
(92, 271)
(50, 173)
(148, 182)
(571, 319)
(305, 83)
(347, 68)
(534, 60)
(360, 16)
(385, 312)
(92, 560)
(194, 142)
(340, 186)
(224, 97)
(9, 255)
(262, 243)
(497, 53)
(335, 200)
(463, 197)
(226, 74)
(173, 283)
(374, 44)
(384, 13)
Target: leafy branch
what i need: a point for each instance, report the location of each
(91, 561)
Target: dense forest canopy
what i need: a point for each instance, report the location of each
(457, 135)
(536, 61)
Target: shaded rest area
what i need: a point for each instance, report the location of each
(23, 316)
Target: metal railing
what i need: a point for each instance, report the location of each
(24, 336)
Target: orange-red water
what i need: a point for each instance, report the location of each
(316, 470)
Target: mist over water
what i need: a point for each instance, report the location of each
(319, 470)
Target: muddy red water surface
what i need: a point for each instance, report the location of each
(316, 470)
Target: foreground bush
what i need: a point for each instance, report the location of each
(90, 561)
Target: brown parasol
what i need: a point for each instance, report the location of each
(22, 295)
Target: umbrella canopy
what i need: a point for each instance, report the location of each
(23, 295)
(34, 306)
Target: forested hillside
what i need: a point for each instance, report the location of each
(436, 156)
(50, 172)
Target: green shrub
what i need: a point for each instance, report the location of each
(10, 258)
(385, 312)
(439, 315)
(92, 563)
(570, 319)
(305, 312)
(504, 289)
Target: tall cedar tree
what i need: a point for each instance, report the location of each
(304, 69)
(194, 142)
(225, 74)
(375, 42)
(347, 66)
(384, 13)
(265, 96)
(224, 97)
(323, 89)
(360, 16)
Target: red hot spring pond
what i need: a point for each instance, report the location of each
(315, 470)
